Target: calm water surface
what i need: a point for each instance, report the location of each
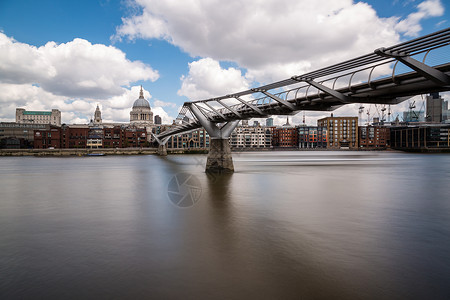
(285, 225)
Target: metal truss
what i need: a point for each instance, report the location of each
(371, 78)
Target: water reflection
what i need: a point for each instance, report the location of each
(285, 225)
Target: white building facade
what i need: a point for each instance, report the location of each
(52, 117)
(251, 137)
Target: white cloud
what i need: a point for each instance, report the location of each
(160, 103)
(273, 39)
(142, 26)
(166, 119)
(277, 71)
(207, 79)
(127, 98)
(73, 77)
(13, 96)
(73, 69)
(411, 25)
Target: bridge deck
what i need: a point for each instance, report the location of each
(388, 90)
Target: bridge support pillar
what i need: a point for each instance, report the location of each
(162, 150)
(219, 157)
(162, 145)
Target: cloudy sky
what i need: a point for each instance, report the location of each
(74, 55)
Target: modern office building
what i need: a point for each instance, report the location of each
(434, 108)
(158, 120)
(310, 137)
(421, 138)
(445, 112)
(413, 116)
(269, 122)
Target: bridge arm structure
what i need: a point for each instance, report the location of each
(377, 78)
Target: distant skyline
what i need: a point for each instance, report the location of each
(75, 55)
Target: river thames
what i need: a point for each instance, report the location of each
(285, 225)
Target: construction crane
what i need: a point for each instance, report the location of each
(389, 113)
(368, 115)
(412, 114)
(383, 117)
(360, 112)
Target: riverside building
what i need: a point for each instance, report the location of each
(251, 137)
(83, 136)
(342, 132)
(310, 137)
(285, 136)
(52, 117)
(374, 137)
(427, 137)
(19, 136)
(197, 139)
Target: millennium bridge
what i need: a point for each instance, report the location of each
(386, 76)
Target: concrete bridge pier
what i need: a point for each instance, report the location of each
(162, 150)
(219, 157)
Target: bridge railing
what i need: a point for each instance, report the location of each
(309, 87)
(377, 69)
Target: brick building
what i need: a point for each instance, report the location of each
(112, 137)
(75, 136)
(50, 138)
(82, 136)
(61, 137)
(374, 136)
(285, 136)
(134, 137)
(342, 132)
